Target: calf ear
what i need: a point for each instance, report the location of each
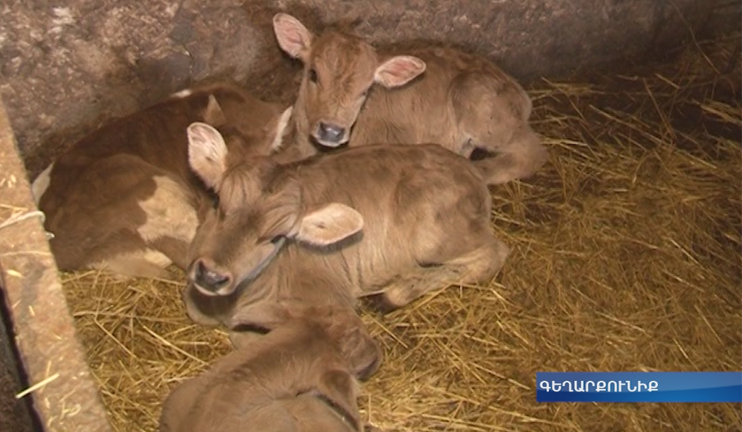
(398, 71)
(207, 153)
(362, 353)
(292, 36)
(329, 225)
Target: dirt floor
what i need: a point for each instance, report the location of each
(626, 257)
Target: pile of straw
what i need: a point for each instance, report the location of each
(626, 257)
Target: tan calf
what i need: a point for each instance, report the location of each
(301, 377)
(434, 95)
(397, 221)
(124, 197)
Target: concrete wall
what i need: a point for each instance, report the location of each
(66, 66)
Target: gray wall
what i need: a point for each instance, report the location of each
(65, 69)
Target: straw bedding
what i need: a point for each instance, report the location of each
(626, 257)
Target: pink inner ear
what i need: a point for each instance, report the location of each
(290, 37)
(402, 68)
(399, 71)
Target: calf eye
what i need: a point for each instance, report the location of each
(313, 75)
(214, 198)
(365, 93)
(272, 240)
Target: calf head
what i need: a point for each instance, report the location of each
(355, 345)
(335, 385)
(262, 128)
(256, 211)
(339, 70)
(342, 328)
(300, 377)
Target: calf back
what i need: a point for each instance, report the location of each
(297, 378)
(434, 107)
(422, 206)
(126, 189)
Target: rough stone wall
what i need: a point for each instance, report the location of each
(67, 66)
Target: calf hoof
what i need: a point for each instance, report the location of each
(379, 303)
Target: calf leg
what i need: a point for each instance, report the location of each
(132, 256)
(174, 248)
(492, 114)
(478, 266)
(142, 263)
(141, 259)
(517, 159)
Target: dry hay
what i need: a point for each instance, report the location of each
(626, 258)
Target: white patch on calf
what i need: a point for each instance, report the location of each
(143, 263)
(182, 94)
(281, 130)
(41, 184)
(156, 257)
(169, 213)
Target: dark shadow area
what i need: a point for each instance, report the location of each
(16, 415)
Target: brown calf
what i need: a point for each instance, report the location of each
(298, 378)
(397, 221)
(438, 95)
(124, 197)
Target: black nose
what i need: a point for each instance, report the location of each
(330, 133)
(209, 278)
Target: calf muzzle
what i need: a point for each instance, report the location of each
(207, 278)
(330, 134)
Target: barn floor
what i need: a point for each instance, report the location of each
(626, 258)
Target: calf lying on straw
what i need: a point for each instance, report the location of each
(299, 377)
(440, 95)
(124, 198)
(397, 221)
